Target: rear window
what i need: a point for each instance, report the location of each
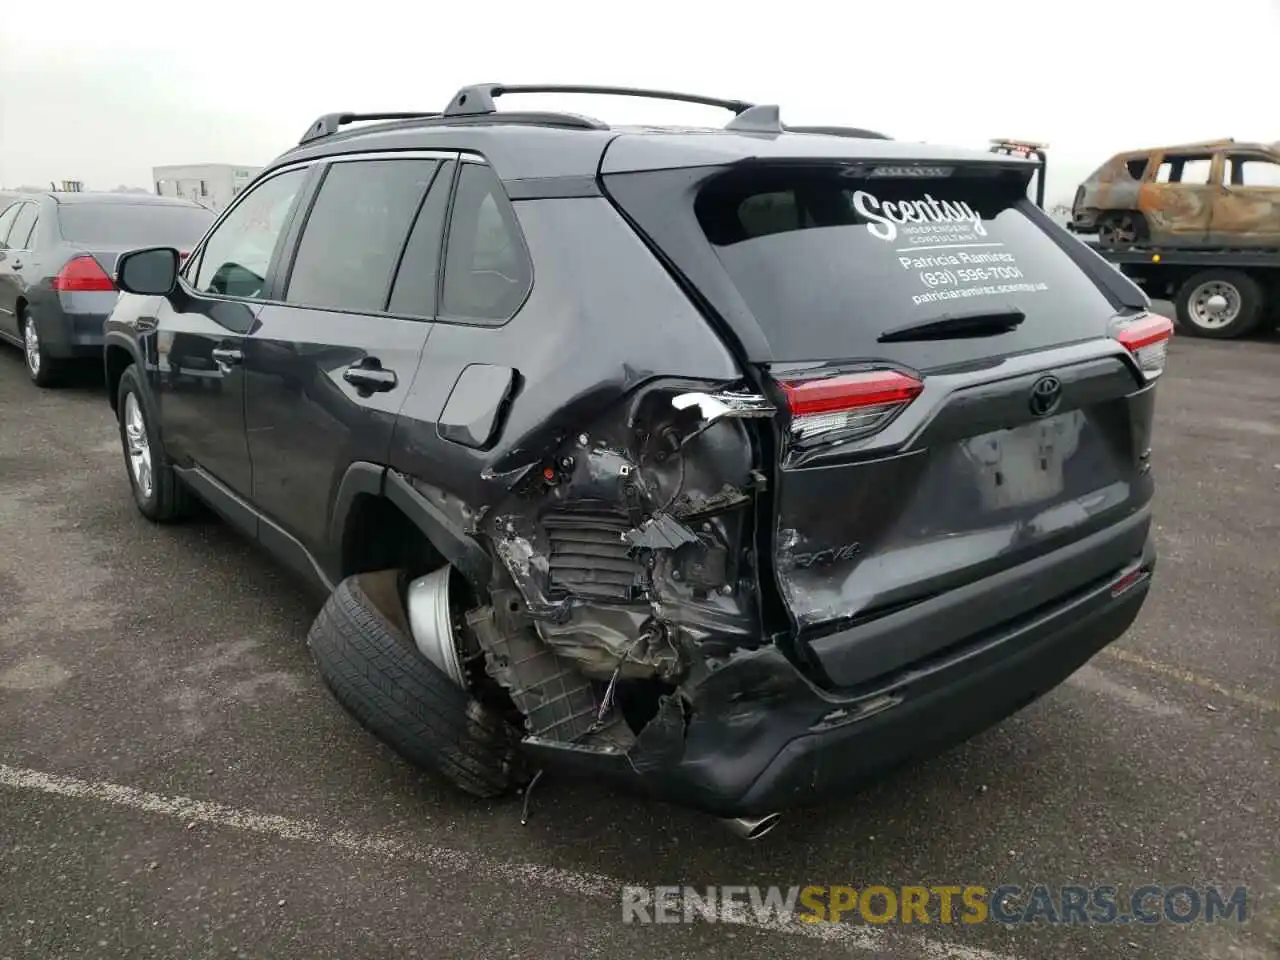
(827, 262)
(133, 224)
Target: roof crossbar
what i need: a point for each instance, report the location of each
(476, 104)
(478, 98)
(329, 123)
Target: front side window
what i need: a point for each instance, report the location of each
(487, 272)
(355, 232)
(1254, 172)
(237, 254)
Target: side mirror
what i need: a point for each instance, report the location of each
(152, 271)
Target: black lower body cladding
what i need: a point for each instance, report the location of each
(757, 736)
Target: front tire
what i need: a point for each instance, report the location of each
(1237, 312)
(44, 370)
(159, 493)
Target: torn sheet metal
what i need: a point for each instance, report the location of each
(660, 532)
(627, 543)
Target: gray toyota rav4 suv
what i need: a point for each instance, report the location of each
(734, 464)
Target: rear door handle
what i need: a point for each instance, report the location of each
(227, 356)
(371, 378)
(17, 264)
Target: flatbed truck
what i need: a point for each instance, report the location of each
(1218, 292)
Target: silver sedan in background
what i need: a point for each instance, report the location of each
(57, 260)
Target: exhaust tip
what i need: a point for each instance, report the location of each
(753, 828)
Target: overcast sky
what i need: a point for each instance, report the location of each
(102, 92)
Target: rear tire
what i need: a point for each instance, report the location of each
(1244, 303)
(157, 490)
(44, 370)
(1123, 229)
(361, 644)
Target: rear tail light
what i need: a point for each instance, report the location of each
(848, 406)
(1147, 338)
(82, 274)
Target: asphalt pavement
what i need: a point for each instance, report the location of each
(175, 780)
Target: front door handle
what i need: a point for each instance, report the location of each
(17, 264)
(227, 356)
(368, 377)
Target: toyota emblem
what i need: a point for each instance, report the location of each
(1046, 394)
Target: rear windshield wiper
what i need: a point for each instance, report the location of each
(955, 327)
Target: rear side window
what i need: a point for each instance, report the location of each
(1190, 170)
(133, 224)
(24, 226)
(487, 272)
(827, 262)
(353, 237)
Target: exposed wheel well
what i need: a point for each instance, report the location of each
(379, 536)
(118, 360)
(1141, 225)
(19, 308)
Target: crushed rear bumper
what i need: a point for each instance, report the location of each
(758, 736)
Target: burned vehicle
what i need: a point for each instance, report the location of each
(1210, 194)
(734, 465)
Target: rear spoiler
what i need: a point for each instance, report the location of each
(1028, 150)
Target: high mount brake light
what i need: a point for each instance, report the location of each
(1147, 338)
(850, 406)
(81, 275)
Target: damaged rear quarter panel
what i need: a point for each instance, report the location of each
(603, 325)
(603, 317)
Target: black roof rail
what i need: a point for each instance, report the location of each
(478, 98)
(766, 118)
(328, 124)
(856, 132)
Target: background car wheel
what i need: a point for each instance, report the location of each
(43, 369)
(361, 643)
(1122, 229)
(160, 495)
(1219, 303)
